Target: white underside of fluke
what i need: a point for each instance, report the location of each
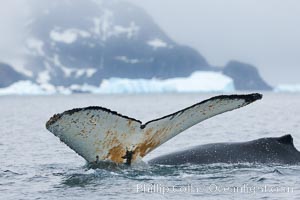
(98, 134)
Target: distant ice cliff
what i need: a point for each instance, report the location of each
(198, 82)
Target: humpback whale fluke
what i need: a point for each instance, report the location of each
(99, 134)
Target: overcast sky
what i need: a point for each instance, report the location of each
(265, 33)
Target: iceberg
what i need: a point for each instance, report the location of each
(23, 88)
(30, 88)
(287, 88)
(198, 82)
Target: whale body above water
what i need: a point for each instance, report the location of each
(99, 134)
(277, 150)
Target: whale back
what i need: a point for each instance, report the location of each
(263, 150)
(286, 139)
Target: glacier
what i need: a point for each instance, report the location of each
(202, 81)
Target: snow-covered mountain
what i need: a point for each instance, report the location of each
(71, 45)
(83, 41)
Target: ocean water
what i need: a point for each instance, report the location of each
(34, 164)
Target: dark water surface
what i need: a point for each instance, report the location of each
(36, 165)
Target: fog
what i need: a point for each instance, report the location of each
(13, 19)
(265, 33)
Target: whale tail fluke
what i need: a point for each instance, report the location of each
(99, 134)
